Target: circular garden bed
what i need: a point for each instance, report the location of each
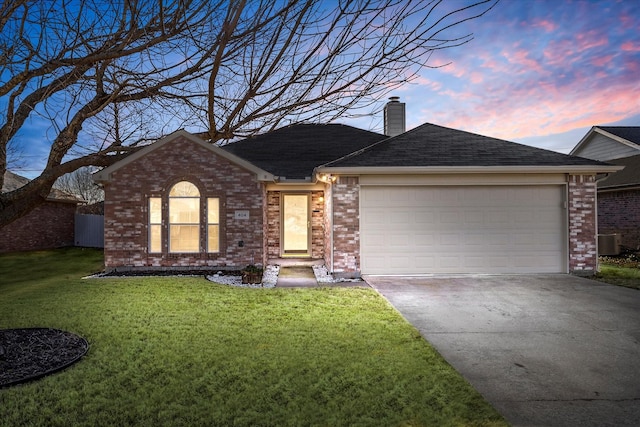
(31, 353)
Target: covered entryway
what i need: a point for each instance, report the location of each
(424, 229)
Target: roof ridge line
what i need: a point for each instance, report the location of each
(369, 147)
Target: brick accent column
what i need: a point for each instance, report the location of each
(327, 224)
(317, 224)
(583, 253)
(346, 225)
(273, 224)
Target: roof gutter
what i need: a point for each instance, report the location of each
(614, 188)
(395, 170)
(294, 181)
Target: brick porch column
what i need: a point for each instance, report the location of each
(583, 230)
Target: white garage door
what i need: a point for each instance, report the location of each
(462, 229)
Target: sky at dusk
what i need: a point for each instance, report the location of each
(538, 72)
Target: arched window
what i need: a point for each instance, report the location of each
(184, 218)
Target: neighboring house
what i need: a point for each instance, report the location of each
(618, 193)
(49, 225)
(427, 201)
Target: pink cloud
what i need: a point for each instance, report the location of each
(633, 67)
(428, 83)
(560, 52)
(521, 58)
(459, 96)
(535, 110)
(629, 21)
(545, 24)
(602, 60)
(455, 69)
(550, 84)
(557, 52)
(476, 78)
(630, 47)
(560, 115)
(589, 40)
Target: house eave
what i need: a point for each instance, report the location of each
(619, 188)
(58, 200)
(294, 181)
(399, 170)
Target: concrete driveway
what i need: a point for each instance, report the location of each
(549, 350)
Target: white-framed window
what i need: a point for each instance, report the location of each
(155, 225)
(184, 218)
(213, 224)
(179, 227)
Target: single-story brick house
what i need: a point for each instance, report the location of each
(618, 193)
(50, 225)
(427, 201)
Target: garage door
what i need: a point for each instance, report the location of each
(462, 229)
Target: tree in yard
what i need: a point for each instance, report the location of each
(108, 77)
(80, 184)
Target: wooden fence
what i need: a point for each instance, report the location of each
(89, 231)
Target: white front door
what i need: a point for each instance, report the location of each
(295, 225)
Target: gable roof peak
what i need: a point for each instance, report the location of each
(104, 175)
(626, 135)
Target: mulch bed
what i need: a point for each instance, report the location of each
(144, 273)
(31, 353)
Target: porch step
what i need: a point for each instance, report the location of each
(296, 262)
(296, 277)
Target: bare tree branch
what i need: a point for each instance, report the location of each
(80, 184)
(109, 77)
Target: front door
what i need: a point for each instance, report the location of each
(295, 225)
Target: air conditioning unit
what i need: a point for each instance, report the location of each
(609, 244)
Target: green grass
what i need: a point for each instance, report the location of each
(185, 351)
(618, 275)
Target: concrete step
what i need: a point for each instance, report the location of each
(296, 262)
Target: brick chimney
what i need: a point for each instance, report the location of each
(394, 118)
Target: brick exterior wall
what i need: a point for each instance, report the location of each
(153, 175)
(619, 213)
(48, 226)
(346, 226)
(583, 254)
(274, 216)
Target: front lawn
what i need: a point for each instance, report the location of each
(618, 275)
(185, 351)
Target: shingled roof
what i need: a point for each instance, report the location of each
(13, 181)
(293, 152)
(627, 177)
(629, 133)
(433, 145)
